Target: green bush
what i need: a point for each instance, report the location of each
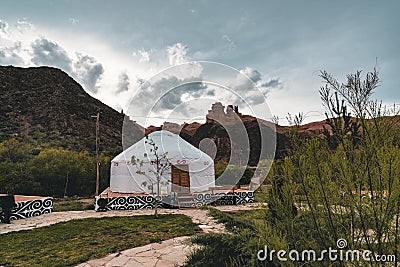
(29, 170)
(237, 248)
(227, 175)
(225, 250)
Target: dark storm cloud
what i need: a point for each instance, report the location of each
(46, 52)
(174, 97)
(167, 93)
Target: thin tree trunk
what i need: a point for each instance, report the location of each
(155, 208)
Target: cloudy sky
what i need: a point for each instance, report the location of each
(113, 47)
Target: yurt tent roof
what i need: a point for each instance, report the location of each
(166, 141)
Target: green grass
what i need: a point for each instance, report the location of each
(252, 217)
(71, 205)
(70, 243)
(232, 223)
(261, 195)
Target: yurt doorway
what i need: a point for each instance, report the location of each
(180, 178)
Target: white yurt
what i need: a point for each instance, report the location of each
(190, 170)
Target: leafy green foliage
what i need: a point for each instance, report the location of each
(261, 194)
(232, 173)
(225, 250)
(25, 169)
(238, 248)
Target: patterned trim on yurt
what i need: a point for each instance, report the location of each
(147, 201)
(30, 208)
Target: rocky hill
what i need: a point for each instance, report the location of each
(46, 105)
(221, 122)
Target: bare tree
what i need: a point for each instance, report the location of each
(297, 120)
(160, 164)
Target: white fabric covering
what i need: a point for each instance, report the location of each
(125, 179)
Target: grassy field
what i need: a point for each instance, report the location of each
(69, 204)
(233, 221)
(76, 241)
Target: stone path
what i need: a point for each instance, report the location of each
(168, 253)
(172, 252)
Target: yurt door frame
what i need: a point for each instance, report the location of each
(180, 178)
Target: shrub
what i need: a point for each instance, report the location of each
(228, 175)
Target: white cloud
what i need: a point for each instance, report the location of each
(88, 71)
(123, 82)
(250, 84)
(74, 21)
(46, 52)
(167, 93)
(15, 46)
(23, 25)
(253, 74)
(177, 54)
(4, 29)
(230, 44)
(271, 83)
(11, 55)
(256, 77)
(142, 55)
